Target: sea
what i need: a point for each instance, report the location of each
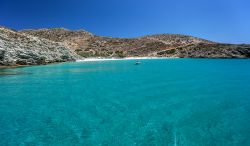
(159, 102)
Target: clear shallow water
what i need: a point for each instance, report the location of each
(176, 102)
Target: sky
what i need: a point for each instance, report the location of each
(225, 21)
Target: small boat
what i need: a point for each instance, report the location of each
(137, 62)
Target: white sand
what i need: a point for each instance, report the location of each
(127, 58)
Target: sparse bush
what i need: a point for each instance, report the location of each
(65, 57)
(85, 54)
(120, 54)
(78, 50)
(172, 51)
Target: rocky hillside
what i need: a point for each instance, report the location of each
(86, 45)
(23, 49)
(213, 51)
(72, 39)
(42, 46)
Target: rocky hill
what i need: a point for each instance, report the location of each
(43, 46)
(23, 49)
(86, 45)
(72, 39)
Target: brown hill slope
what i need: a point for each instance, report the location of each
(73, 39)
(55, 45)
(164, 45)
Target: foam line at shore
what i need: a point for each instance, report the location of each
(127, 58)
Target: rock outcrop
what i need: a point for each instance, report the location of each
(42, 46)
(23, 49)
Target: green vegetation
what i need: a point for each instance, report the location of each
(120, 54)
(85, 54)
(172, 51)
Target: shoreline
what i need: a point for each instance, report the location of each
(126, 58)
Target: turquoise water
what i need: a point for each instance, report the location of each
(175, 102)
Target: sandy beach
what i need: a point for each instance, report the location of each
(127, 58)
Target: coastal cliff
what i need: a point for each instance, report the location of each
(42, 46)
(23, 49)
